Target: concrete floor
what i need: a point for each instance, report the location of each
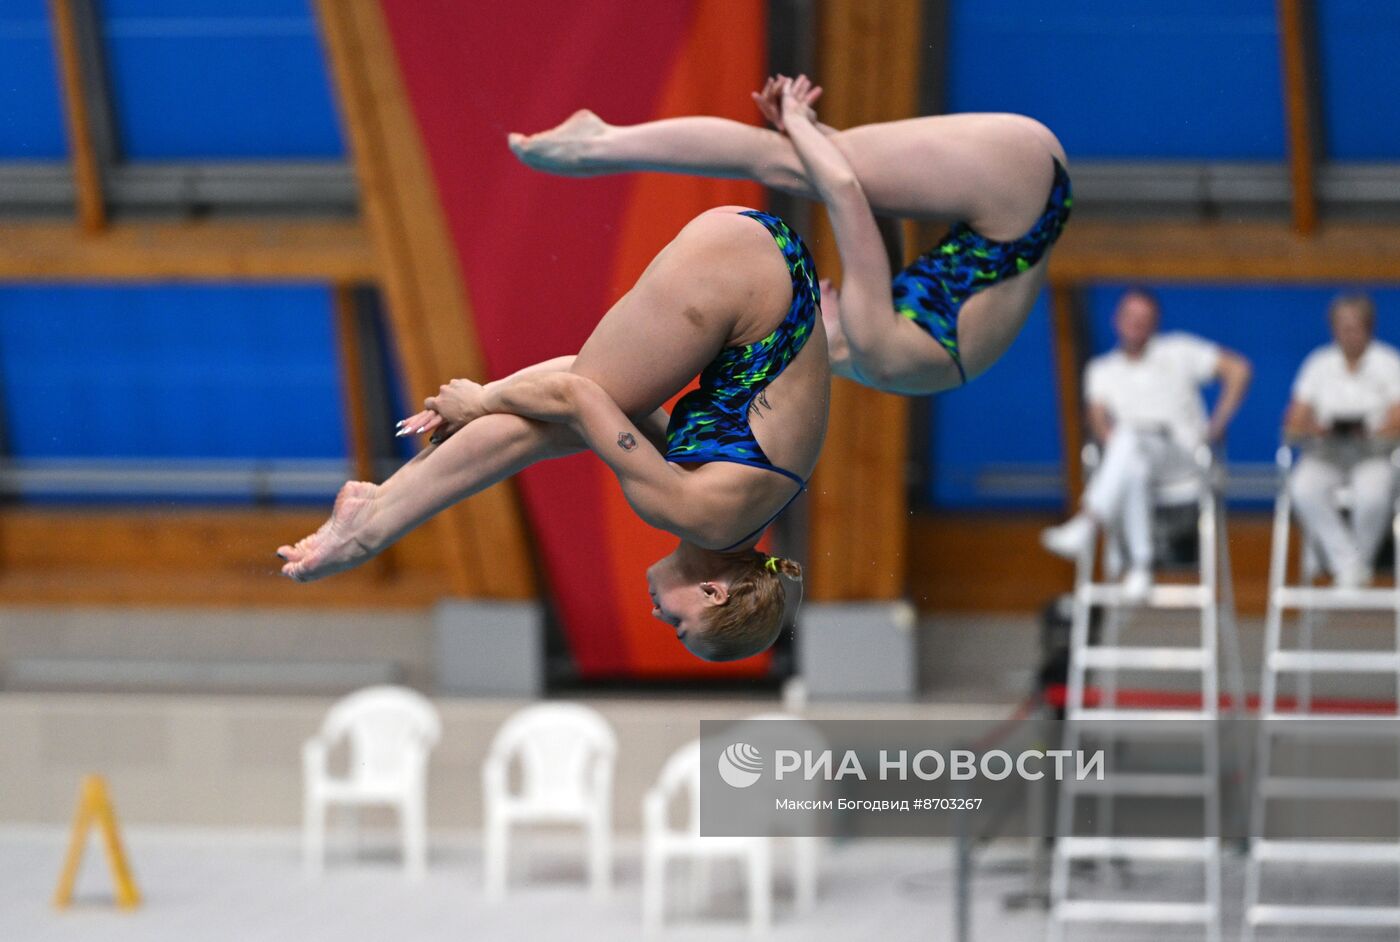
(214, 885)
(244, 886)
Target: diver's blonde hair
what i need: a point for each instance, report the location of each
(751, 619)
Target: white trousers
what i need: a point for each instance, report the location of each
(1313, 486)
(1120, 494)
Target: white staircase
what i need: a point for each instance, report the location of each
(1314, 858)
(1106, 725)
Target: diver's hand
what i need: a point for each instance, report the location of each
(796, 97)
(457, 403)
(770, 99)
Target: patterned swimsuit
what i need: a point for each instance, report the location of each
(712, 423)
(933, 289)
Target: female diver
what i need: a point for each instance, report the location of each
(940, 321)
(732, 457)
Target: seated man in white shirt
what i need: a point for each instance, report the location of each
(1346, 406)
(1145, 409)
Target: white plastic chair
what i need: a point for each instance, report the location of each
(566, 754)
(680, 777)
(806, 849)
(391, 731)
(661, 843)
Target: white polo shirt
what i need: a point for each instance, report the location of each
(1335, 392)
(1159, 389)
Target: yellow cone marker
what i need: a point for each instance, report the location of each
(95, 807)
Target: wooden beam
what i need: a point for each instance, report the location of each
(959, 561)
(187, 251)
(195, 558)
(1295, 27)
(1097, 250)
(1069, 362)
(484, 540)
(869, 53)
(993, 562)
(352, 379)
(82, 150)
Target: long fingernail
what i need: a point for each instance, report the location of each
(400, 423)
(402, 432)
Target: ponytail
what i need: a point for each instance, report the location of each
(787, 567)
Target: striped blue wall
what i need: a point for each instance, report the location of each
(170, 372)
(162, 371)
(1357, 45)
(219, 79)
(1126, 78)
(31, 119)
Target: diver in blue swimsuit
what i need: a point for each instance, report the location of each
(735, 454)
(712, 423)
(999, 179)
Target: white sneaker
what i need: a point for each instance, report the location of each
(1355, 576)
(1137, 586)
(1071, 538)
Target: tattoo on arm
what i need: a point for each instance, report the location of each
(627, 441)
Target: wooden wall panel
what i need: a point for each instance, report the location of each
(869, 62)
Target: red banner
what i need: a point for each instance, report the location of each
(544, 257)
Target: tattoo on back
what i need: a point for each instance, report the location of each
(760, 402)
(626, 441)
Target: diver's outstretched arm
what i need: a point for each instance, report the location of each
(660, 493)
(368, 518)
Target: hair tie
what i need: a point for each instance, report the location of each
(771, 564)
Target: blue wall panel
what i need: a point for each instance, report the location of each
(1126, 78)
(31, 117)
(1007, 416)
(170, 372)
(1358, 42)
(219, 79)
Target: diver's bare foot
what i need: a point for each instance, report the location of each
(298, 550)
(340, 543)
(565, 149)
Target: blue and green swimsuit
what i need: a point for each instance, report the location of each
(933, 289)
(712, 423)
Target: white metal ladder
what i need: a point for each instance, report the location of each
(1213, 597)
(1301, 663)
